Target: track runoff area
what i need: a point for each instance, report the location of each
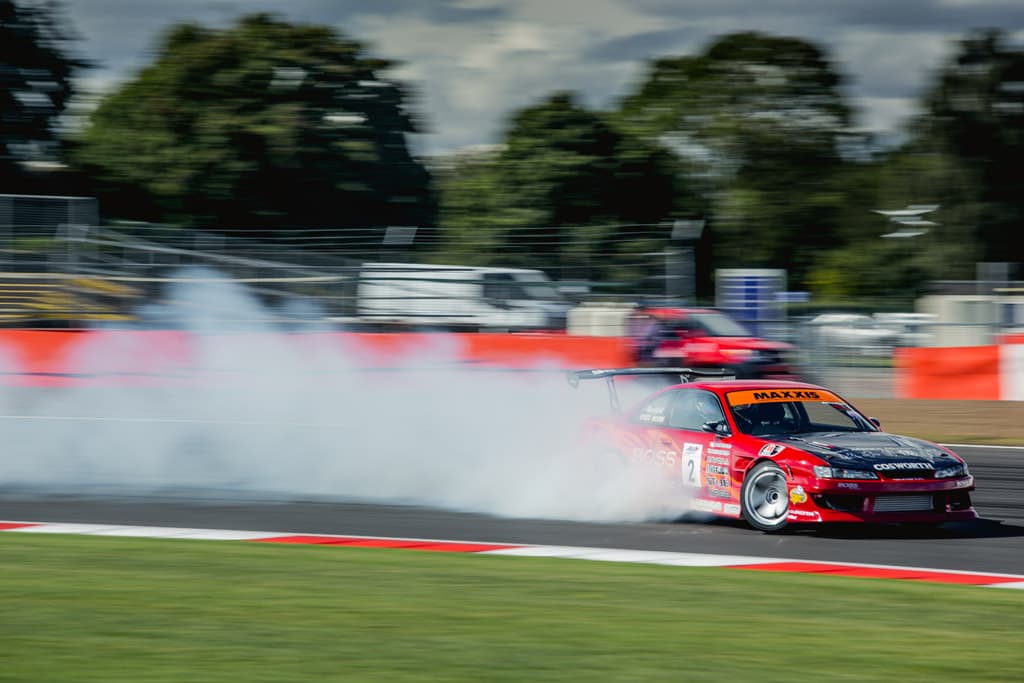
(678, 559)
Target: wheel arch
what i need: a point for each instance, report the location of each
(754, 462)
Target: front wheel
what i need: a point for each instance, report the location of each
(764, 497)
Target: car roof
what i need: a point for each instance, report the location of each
(723, 386)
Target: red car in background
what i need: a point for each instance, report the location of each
(775, 452)
(705, 338)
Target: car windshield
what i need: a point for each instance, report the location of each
(537, 286)
(717, 325)
(762, 412)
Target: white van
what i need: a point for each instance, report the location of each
(459, 297)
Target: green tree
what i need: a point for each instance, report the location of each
(975, 114)
(260, 126)
(758, 123)
(36, 83)
(568, 191)
(477, 210)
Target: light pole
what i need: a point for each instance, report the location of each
(680, 262)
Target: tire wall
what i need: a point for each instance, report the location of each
(27, 355)
(961, 373)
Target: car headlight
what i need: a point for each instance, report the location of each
(959, 470)
(825, 472)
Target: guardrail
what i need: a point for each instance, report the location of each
(59, 357)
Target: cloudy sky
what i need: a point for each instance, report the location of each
(474, 62)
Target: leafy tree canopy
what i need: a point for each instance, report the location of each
(975, 113)
(747, 93)
(760, 121)
(35, 80)
(568, 191)
(263, 125)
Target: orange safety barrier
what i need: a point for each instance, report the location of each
(92, 352)
(967, 372)
(529, 350)
(64, 352)
(1015, 338)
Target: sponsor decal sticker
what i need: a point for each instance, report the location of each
(798, 495)
(895, 466)
(738, 398)
(692, 448)
(691, 464)
(803, 514)
(659, 457)
(718, 459)
(848, 485)
(770, 450)
(731, 509)
(706, 505)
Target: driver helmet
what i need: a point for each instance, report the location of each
(708, 408)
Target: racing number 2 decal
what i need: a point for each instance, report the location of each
(691, 464)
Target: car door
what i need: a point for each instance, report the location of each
(651, 444)
(671, 435)
(702, 466)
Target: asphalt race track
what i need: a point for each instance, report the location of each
(995, 543)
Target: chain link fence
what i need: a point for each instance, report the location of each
(60, 268)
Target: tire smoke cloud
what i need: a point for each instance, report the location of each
(258, 414)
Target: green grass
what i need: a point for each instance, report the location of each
(118, 609)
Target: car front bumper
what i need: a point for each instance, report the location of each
(917, 501)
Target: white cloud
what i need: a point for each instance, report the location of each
(877, 61)
(474, 76)
(473, 69)
(886, 114)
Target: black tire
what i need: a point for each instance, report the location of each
(764, 498)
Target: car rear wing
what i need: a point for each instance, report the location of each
(684, 375)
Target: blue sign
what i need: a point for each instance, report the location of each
(751, 295)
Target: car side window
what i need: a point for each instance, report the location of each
(655, 412)
(693, 408)
(500, 286)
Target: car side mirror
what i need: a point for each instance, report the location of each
(719, 427)
(875, 421)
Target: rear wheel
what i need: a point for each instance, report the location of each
(764, 497)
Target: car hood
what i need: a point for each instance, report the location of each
(871, 450)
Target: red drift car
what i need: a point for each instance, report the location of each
(703, 338)
(775, 452)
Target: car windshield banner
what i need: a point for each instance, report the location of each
(740, 398)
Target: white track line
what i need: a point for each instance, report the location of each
(666, 558)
